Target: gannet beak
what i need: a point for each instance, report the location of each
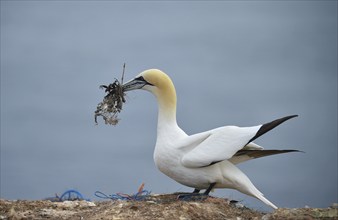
(137, 83)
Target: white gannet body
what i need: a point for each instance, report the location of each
(205, 160)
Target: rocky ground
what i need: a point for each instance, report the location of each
(154, 207)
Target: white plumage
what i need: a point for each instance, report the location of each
(205, 160)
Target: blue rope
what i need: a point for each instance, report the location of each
(69, 195)
(139, 196)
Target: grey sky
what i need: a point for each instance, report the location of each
(242, 63)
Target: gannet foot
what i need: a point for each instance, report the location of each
(192, 197)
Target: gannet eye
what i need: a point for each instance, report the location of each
(141, 78)
(136, 83)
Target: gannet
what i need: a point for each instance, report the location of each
(205, 160)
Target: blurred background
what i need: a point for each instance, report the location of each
(233, 63)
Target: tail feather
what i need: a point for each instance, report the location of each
(254, 192)
(247, 187)
(266, 201)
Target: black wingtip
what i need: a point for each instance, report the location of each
(271, 125)
(263, 153)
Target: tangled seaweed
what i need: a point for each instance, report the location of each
(112, 103)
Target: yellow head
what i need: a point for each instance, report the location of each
(158, 83)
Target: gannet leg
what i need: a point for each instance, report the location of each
(196, 191)
(209, 189)
(195, 195)
(192, 196)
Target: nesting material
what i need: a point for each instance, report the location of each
(112, 103)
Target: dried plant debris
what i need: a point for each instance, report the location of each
(112, 103)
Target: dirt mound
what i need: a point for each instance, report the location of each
(154, 207)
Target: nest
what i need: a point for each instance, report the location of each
(112, 103)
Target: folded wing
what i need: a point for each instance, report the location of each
(223, 143)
